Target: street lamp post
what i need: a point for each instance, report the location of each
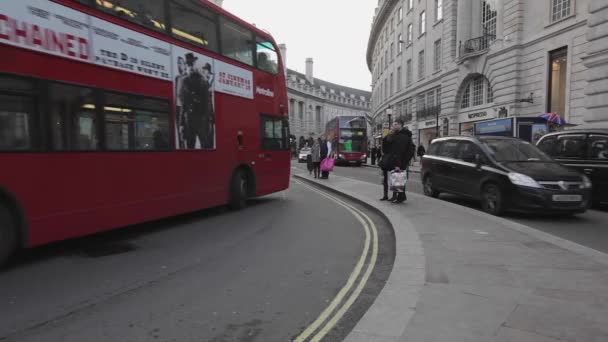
(389, 113)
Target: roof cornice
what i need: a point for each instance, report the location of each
(377, 25)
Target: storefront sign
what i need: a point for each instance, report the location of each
(430, 123)
(477, 115)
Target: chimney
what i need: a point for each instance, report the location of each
(309, 75)
(283, 49)
(218, 2)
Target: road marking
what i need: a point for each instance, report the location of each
(368, 226)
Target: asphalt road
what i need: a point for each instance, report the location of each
(589, 229)
(261, 274)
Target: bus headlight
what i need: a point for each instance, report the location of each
(364, 156)
(340, 156)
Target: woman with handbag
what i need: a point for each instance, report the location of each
(324, 154)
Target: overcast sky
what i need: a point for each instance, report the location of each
(333, 32)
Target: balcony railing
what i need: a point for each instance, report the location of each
(475, 45)
(428, 113)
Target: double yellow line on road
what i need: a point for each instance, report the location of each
(340, 304)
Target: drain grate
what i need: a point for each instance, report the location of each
(108, 249)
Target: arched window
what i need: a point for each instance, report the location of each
(476, 92)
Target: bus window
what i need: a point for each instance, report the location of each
(73, 122)
(16, 114)
(150, 14)
(193, 23)
(136, 123)
(275, 133)
(267, 57)
(236, 42)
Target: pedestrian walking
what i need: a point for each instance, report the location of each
(421, 151)
(316, 157)
(386, 164)
(325, 153)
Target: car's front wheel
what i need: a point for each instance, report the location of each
(492, 200)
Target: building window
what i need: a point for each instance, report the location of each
(437, 64)
(560, 9)
(400, 43)
(392, 85)
(392, 51)
(466, 97)
(475, 92)
(558, 62)
(478, 84)
(408, 72)
(400, 14)
(399, 83)
(421, 66)
(410, 4)
(422, 28)
(392, 24)
(385, 58)
(446, 127)
(488, 19)
(438, 10)
(318, 118)
(410, 34)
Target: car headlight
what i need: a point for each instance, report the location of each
(523, 180)
(586, 183)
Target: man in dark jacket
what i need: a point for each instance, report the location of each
(386, 164)
(400, 146)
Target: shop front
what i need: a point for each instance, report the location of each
(427, 131)
(467, 120)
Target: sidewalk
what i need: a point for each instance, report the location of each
(461, 275)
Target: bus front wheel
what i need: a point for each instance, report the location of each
(8, 236)
(238, 190)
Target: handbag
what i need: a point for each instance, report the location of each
(327, 164)
(397, 181)
(387, 163)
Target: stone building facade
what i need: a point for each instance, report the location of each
(445, 64)
(313, 102)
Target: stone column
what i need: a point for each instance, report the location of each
(596, 62)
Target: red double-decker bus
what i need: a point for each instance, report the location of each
(119, 112)
(348, 135)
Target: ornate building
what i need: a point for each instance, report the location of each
(313, 102)
(445, 64)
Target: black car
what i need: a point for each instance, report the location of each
(585, 150)
(504, 174)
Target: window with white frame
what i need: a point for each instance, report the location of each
(392, 85)
(437, 64)
(477, 91)
(488, 18)
(477, 97)
(392, 51)
(410, 4)
(408, 72)
(410, 34)
(422, 28)
(421, 65)
(400, 14)
(400, 43)
(385, 58)
(560, 9)
(392, 24)
(438, 10)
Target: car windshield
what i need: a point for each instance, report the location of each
(507, 150)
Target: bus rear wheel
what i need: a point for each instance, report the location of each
(238, 191)
(8, 236)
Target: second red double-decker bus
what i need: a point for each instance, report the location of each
(348, 135)
(119, 112)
